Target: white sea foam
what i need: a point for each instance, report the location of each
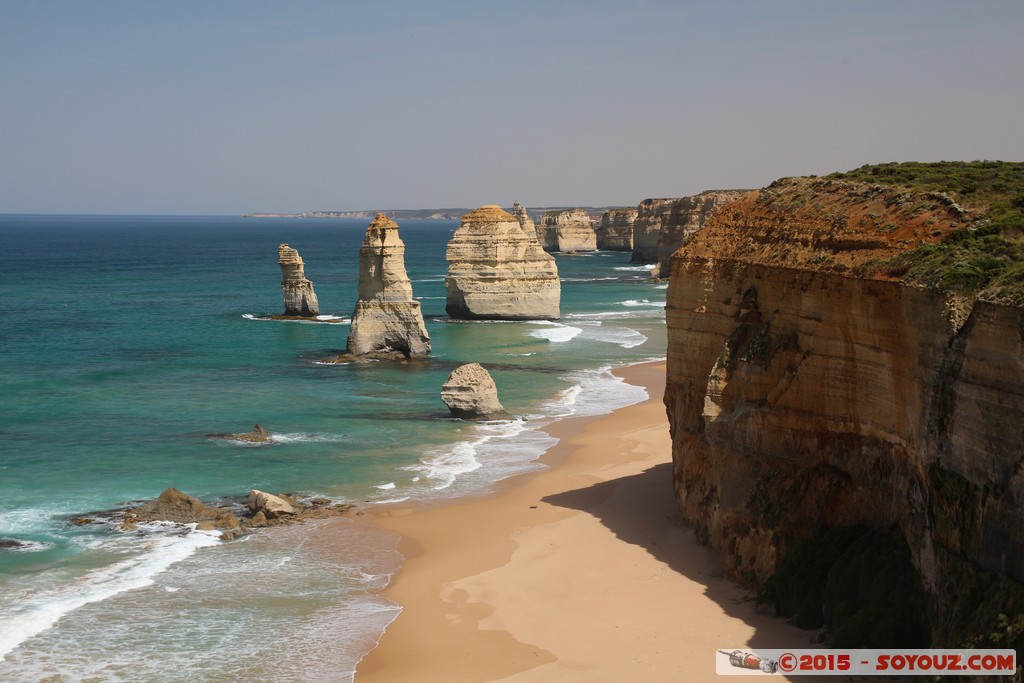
(646, 268)
(27, 546)
(386, 487)
(642, 302)
(298, 437)
(32, 614)
(664, 286)
(326, 319)
(587, 279)
(329, 318)
(626, 337)
(556, 333)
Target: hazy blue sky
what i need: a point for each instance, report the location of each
(228, 107)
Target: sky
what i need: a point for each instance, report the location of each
(199, 107)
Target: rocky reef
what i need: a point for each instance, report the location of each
(498, 272)
(615, 233)
(810, 394)
(568, 231)
(387, 321)
(663, 225)
(471, 394)
(299, 297)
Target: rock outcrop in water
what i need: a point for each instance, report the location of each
(174, 506)
(806, 397)
(387, 321)
(616, 230)
(299, 297)
(662, 226)
(471, 394)
(257, 435)
(498, 272)
(568, 231)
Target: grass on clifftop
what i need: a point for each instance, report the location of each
(984, 259)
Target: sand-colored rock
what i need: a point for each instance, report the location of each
(615, 233)
(662, 226)
(525, 222)
(267, 503)
(496, 271)
(804, 398)
(299, 297)
(470, 393)
(387, 320)
(569, 231)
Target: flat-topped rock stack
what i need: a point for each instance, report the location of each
(387, 320)
(569, 231)
(615, 233)
(299, 297)
(496, 271)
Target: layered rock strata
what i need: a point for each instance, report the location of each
(568, 231)
(526, 223)
(498, 272)
(471, 394)
(299, 297)
(387, 320)
(804, 398)
(662, 226)
(615, 233)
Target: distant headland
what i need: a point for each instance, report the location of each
(449, 214)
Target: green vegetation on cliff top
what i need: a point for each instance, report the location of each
(986, 257)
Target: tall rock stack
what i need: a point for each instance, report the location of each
(299, 297)
(569, 231)
(651, 215)
(616, 230)
(525, 222)
(387, 320)
(498, 272)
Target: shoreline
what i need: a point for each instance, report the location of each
(583, 571)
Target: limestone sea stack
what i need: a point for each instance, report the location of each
(498, 272)
(387, 320)
(299, 297)
(569, 231)
(526, 223)
(615, 233)
(471, 394)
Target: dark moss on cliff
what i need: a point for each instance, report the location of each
(985, 258)
(858, 583)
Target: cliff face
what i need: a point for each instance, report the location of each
(299, 297)
(616, 230)
(497, 271)
(664, 225)
(527, 224)
(569, 231)
(685, 217)
(387, 319)
(802, 397)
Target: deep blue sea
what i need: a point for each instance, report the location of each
(125, 341)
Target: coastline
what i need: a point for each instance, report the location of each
(581, 572)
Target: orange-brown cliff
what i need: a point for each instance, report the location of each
(809, 389)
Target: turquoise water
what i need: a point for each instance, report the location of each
(127, 340)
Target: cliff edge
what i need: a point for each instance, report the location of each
(829, 374)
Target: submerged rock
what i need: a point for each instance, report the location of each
(299, 297)
(498, 272)
(174, 506)
(257, 435)
(387, 320)
(470, 393)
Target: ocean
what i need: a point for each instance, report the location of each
(125, 341)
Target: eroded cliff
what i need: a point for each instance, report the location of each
(663, 225)
(615, 233)
(810, 390)
(569, 231)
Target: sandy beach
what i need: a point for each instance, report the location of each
(583, 572)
